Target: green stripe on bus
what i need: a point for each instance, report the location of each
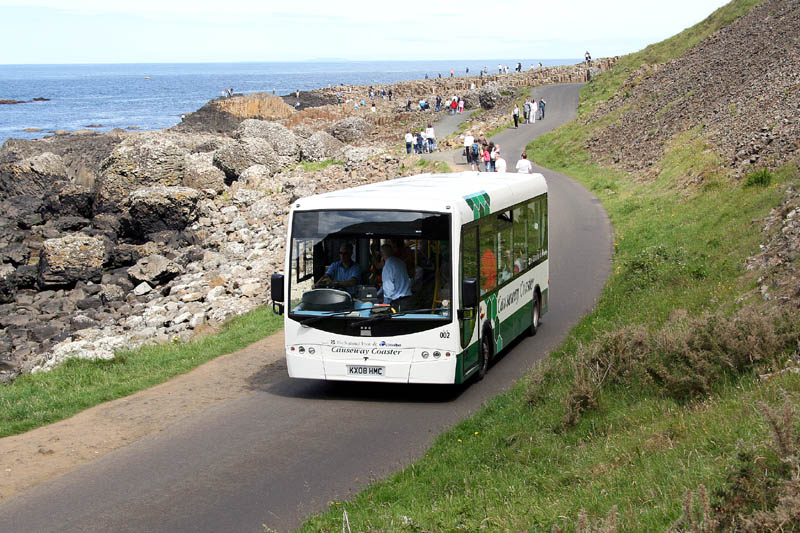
(479, 203)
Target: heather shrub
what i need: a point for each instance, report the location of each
(762, 489)
(683, 360)
(758, 178)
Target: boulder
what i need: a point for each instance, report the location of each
(281, 138)
(23, 210)
(128, 254)
(148, 160)
(234, 159)
(68, 199)
(155, 270)
(351, 129)
(8, 283)
(15, 253)
(32, 175)
(320, 146)
(69, 259)
(201, 173)
(154, 209)
(489, 95)
(255, 177)
(354, 156)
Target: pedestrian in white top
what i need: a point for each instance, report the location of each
(431, 135)
(500, 163)
(524, 166)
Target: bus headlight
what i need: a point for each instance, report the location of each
(437, 354)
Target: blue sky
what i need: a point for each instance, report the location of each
(107, 31)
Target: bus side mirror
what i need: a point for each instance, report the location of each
(469, 293)
(276, 293)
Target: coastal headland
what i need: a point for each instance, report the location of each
(113, 240)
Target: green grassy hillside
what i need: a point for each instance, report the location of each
(668, 406)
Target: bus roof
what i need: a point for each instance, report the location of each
(433, 192)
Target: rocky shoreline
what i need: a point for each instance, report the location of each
(110, 241)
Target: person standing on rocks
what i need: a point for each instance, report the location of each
(390, 95)
(515, 114)
(588, 57)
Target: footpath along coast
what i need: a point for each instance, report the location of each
(249, 379)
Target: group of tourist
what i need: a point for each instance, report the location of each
(481, 152)
(421, 141)
(531, 109)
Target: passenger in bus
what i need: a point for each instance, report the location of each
(342, 274)
(488, 270)
(507, 267)
(375, 263)
(405, 254)
(396, 287)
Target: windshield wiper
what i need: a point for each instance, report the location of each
(316, 318)
(384, 316)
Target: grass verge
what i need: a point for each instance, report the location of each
(38, 399)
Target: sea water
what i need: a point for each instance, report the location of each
(154, 95)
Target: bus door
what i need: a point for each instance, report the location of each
(469, 269)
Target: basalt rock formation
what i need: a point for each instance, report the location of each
(111, 241)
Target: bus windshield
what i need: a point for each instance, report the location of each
(392, 268)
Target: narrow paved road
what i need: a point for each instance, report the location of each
(289, 447)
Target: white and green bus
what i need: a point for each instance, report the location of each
(488, 232)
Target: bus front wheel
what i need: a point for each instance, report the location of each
(535, 315)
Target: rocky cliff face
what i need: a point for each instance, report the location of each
(740, 85)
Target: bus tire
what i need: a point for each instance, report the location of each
(536, 314)
(484, 357)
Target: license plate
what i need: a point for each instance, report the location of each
(364, 370)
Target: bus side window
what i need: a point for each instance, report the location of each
(533, 231)
(487, 238)
(543, 225)
(505, 255)
(520, 240)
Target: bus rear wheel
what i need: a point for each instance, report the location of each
(485, 356)
(536, 314)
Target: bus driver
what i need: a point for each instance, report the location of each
(342, 274)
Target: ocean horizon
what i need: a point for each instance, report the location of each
(153, 96)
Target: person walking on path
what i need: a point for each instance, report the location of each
(453, 105)
(460, 104)
(431, 135)
(534, 111)
(524, 166)
(542, 103)
(515, 114)
(499, 163)
(492, 157)
(487, 160)
(526, 110)
(409, 142)
(468, 140)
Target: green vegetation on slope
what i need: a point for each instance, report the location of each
(652, 413)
